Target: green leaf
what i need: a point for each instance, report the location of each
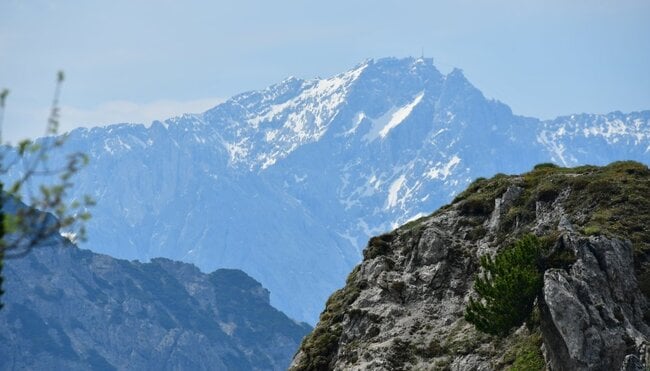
(11, 223)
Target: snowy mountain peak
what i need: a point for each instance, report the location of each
(259, 128)
(288, 182)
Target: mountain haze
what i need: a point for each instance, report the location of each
(72, 309)
(287, 183)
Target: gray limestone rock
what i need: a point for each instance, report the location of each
(403, 307)
(593, 313)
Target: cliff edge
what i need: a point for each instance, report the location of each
(403, 306)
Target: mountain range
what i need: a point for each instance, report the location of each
(287, 183)
(71, 309)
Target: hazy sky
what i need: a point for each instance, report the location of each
(137, 60)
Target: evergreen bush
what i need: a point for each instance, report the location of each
(507, 289)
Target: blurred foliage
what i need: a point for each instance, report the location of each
(42, 185)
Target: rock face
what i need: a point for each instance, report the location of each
(593, 314)
(403, 307)
(71, 309)
(316, 167)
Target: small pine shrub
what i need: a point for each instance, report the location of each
(477, 205)
(378, 246)
(545, 165)
(508, 288)
(547, 192)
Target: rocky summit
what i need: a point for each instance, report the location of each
(403, 307)
(72, 309)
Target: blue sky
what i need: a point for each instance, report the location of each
(137, 60)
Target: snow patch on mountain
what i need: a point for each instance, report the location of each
(356, 123)
(393, 191)
(391, 119)
(400, 115)
(614, 129)
(283, 125)
(442, 171)
(556, 147)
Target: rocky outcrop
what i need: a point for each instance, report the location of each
(71, 309)
(403, 306)
(592, 314)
